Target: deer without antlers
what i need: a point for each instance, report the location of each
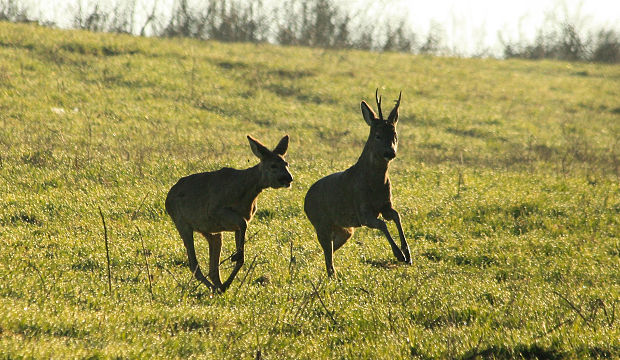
(340, 202)
(224, 200)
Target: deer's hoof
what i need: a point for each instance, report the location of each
(217, 290)
(399, 256)
(407, 256)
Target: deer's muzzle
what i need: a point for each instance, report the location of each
(286, 180)
(389, 154)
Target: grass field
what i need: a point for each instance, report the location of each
(507, 181)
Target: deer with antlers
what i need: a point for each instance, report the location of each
(224, 200)
(340, 202)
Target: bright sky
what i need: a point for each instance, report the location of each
(467, 26)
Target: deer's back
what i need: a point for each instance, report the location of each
(195, 199)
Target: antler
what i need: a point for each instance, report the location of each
(394, 114)
(378, 100)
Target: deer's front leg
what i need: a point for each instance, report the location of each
(371, 221)
(391, 214)
(241, 225)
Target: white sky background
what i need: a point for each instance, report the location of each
(468, 27)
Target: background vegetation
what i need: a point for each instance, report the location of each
(506, 180)
(317, 23)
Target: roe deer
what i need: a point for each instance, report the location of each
(224, 200)
(340, 202)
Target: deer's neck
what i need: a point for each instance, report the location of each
(374, 170)
(253, 183)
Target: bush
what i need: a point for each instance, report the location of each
(568, 45)
(606, 47)
(186, 21)
(12, 10)
(313, 23)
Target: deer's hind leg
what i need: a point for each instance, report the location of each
(215, 250)
(340, 236)
(187, 234)
(324, 235)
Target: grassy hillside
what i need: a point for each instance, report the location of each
(506, 180)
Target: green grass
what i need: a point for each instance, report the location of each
(520, 258)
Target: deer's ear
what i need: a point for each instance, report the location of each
(282, 146)
(393, 118)
(257, 148)
(368, 113)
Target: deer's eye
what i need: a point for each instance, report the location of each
(378, 137)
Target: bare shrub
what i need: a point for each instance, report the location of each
(318, 23)
(566, 43)
(90, 19)
(364, 40)
(186, 21)
(220, 20)
(399, 38)
(231, 21)
(606, 47)
(13, 10)
(94, 17)
(122, 18)
(432, 43)
(314, 23)
(570, 45)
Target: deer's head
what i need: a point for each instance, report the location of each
(273, 168)
(383, 140)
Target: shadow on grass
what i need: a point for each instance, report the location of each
(383, 263)
(520, 351)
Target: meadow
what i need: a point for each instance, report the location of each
(506, 179)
